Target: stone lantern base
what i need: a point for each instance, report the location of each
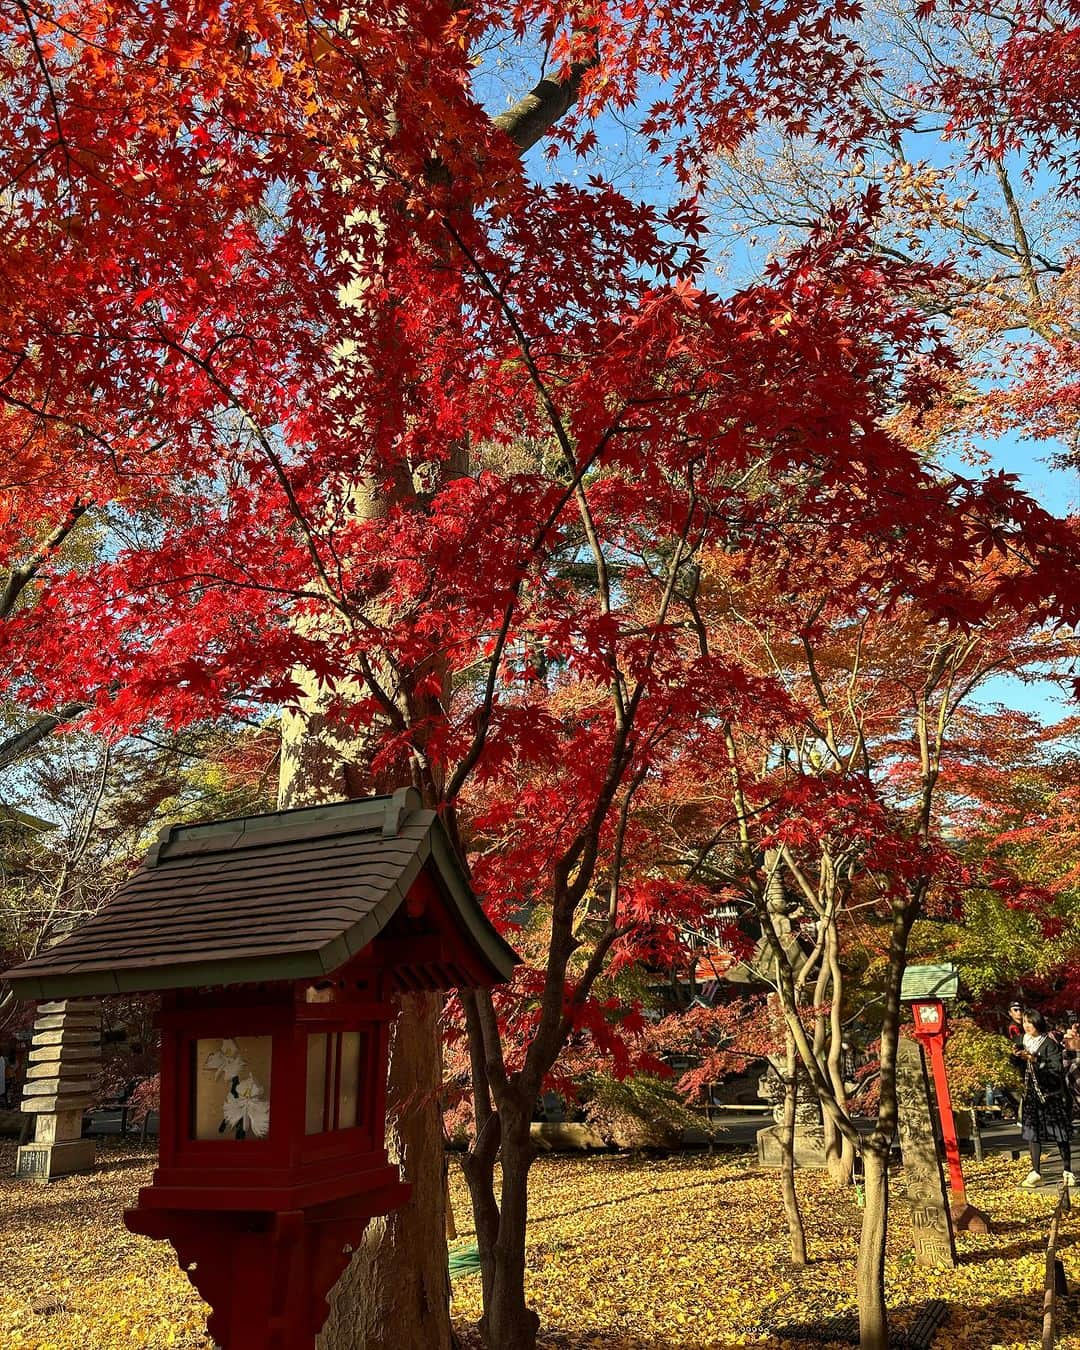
(56, 1149)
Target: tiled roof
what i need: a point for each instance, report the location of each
(286, 896)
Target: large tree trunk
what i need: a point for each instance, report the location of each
(395, 1294)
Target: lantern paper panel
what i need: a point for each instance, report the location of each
(335, 1062)
(232, 1087)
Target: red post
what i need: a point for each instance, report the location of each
(936, 1046)
(931, 1031)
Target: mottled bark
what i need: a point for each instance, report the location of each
(395, 1295)
(14, 747)
(870, 1270)
(796, 1232)
(502, 1220)
(870, 1266)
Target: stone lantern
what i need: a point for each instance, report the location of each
(278, 944)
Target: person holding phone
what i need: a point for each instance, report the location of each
(1046, 1108)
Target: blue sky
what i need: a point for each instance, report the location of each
(1059, 491)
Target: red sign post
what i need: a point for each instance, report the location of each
(931, 1031)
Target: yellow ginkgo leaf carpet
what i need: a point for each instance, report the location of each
(625, 1253)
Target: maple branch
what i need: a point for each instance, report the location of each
(20, 576)
(800, 879)
(611, 931)
(742, 814)
(786, 988)
(234, 401)
(15, 747)
(43, 66)
(829, 735)
(579, 862)
(577, 471)
(859, 730)
(538, 110)
(582, 852)
(494, 1061)
(71, 861)
(658, 623)
(478, 1057)
(1023, 246)
(603, 587)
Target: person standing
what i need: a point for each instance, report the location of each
(1046, 1109)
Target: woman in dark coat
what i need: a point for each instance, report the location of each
(1046, 1110)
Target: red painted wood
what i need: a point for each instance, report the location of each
(267, 1276)
(262, 1225)
(931, 1030)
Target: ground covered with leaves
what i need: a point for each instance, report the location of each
(625, 1254)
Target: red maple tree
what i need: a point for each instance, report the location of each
(258, 255)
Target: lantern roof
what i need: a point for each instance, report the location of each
(290, 895)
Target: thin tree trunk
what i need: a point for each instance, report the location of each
(792, 1212)
(870, 1267)
(508, 1322)
(842, 1164)
(451, 1222)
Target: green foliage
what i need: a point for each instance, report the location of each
(975, 1057)
(638, 1112)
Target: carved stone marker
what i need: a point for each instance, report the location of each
(809, 1143)
(809, 1147)
(931, 1221)
(63, 1077)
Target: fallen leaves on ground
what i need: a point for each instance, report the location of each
(691, 1253)
(625, 1253)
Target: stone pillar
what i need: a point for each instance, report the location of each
(62, 1079)
(809, 1132)
(931, 1220)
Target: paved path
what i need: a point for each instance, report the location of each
(738, 1129)
(108, 1122)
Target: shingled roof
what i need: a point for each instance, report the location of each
(286, 896)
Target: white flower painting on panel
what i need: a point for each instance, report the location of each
(227, 1062)
(244, 1110)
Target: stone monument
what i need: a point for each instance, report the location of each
(931, 1220)
(809, 1143)
(62, 1079)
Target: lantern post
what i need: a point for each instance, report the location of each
(279, 945)
(927, 988)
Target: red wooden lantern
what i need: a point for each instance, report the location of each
(279, 943)
(929, 1015)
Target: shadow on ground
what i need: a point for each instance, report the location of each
(1015, 1319)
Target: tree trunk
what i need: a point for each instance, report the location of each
(841, 1163)
(508, 1322)
(395, 1295)
(870, 1268)
(787, 1156)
